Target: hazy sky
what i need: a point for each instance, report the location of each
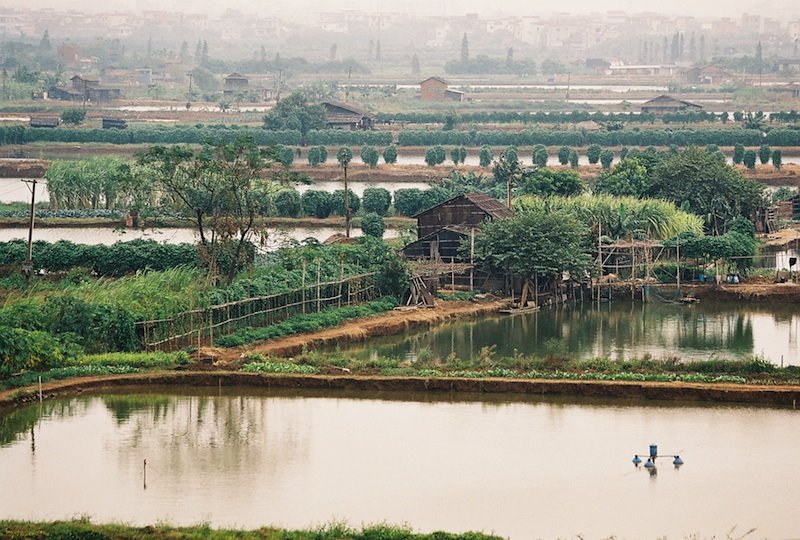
(300, 8)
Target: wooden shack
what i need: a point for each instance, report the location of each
(345, 116)
(442, 228)
(114, 123)
(667, 104)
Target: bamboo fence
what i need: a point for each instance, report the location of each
(200, 327)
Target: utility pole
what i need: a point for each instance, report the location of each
(346, 204)
(278, 89)
(569, 78)
(347, 90)
(27, 266)
(5, 87)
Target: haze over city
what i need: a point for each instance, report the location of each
(300, 9)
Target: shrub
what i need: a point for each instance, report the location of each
(22, 349)
(764, 153)
(563, 155)
(390, 154)
(777, 158)
(317, 203)
(373, 225)
(369, 155)
(73, 116)
(376, 200)
(540, 155)
(337, 202)
(409, 201)
(485, 155)
(738, 154)
(288, 203)
(749, 159)
(593, 153)
(606, 158)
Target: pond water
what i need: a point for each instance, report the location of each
(15, 190)
(276, 237)
(518, 467)
(620, 329)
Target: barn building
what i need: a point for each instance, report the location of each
(437, 89)
(345, 116)
(442, 228)
(667, 104)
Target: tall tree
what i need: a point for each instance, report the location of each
(184, 52)
(378, 56)
(220, 189)
(702, 48)
(295, 112)
(44, 44)
(204, 54)
(464, 49)
(415, 69)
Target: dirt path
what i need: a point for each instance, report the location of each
(387, 324)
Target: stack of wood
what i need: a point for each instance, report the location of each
(420, 295)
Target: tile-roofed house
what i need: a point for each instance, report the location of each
(437, 89)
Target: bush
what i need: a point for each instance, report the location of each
(563, 155)
(764, 153)
(749, 159)
(390, 154)
(409, 201)
(372, 225)
(288, 203)
(337, 202)
(540, 156)
(376, 200)
(369, 155)
(22, 349)
(593, 153)
(485, 156)
(606, 158)
(73, 116)
(738, 154)
(317, 203)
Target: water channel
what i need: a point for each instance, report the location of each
(518, 467)
(616, 330)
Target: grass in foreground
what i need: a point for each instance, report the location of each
(18, 530)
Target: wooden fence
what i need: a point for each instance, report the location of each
(201, 326)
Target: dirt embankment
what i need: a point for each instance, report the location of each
(23, 168)
(387, 324)
(780, 396)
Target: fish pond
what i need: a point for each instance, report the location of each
(616, 330)
(521, 467)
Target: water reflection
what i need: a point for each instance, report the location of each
(250, 458)
(617, 330)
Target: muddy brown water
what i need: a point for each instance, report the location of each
(519, 467)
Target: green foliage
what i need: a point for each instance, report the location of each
(618, 216)
(117, 259)
(288, 203)
(390, 154)
(628, 178)
(369, 155)
(296, 113)
(563, 155)
(372, 224)
(545, 182)
(543, 243)
(606, 158)
(485, 155)
(317, 203)
(22, 349)
(90, 183)
(593, 153)
(777, 158)
(310, 322)
(458, 154)
(337, 202)
(698, 182)
(749, 159)
(220, 189)
(136, 360)
(540, 155)
(376, 200)
(573, 159)
(344, 156)
(409, 201)
(764, 153)
(73, 116)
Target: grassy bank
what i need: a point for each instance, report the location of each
(13, 530)
(755, 370)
